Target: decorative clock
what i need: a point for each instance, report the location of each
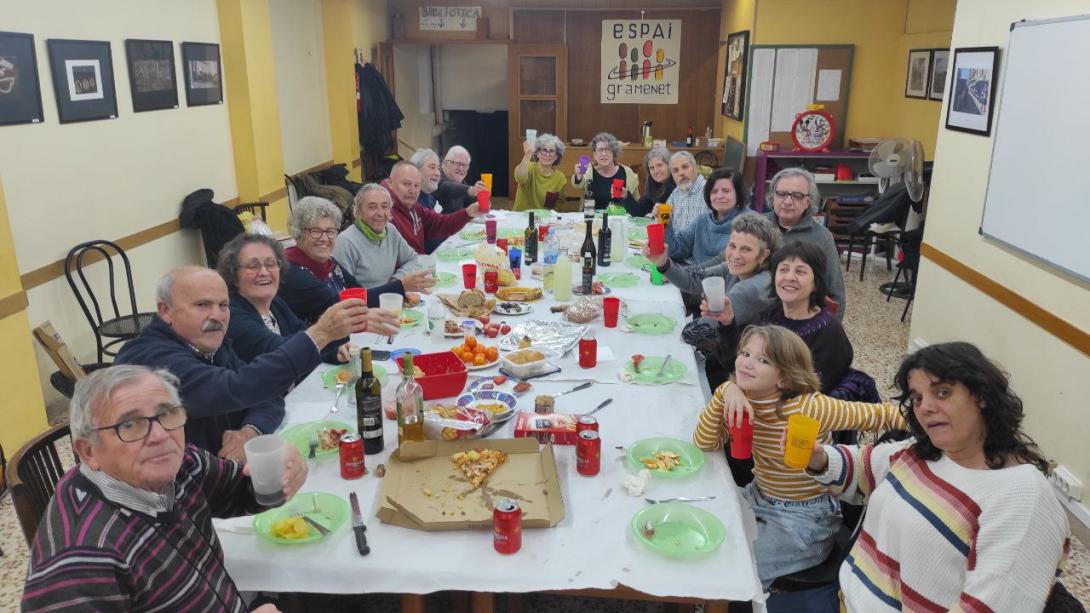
(813, 130)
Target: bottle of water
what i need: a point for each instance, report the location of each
(548, 266)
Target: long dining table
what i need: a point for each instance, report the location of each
(592, 550)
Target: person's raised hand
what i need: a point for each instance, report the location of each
(338, 321)
(295, 471)
(725, 317)
(419, 281)
(233, 444)
(658, 260)
(267, 608)
(474, 210)
(735, 405)
(528, 149)
(819, 460)
(381, 321)
(479, 186)
(344, 353)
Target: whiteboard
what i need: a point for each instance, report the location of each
(1038, 195)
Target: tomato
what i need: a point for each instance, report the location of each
(504, 328)
(483, 319)
(492, 333)
(498, 379)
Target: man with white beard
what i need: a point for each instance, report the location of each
(687, 199)
(453, 194)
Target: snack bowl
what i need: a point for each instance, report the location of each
(513, 364)
(444, 374)
(484, 400)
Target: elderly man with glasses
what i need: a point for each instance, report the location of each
(130, 527)
(453, 194)
(229, 401)
(795, 198)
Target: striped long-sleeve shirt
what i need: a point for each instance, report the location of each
(91, 554)
(941, 537)
(773, 477)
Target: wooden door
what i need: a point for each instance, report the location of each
(537, 94)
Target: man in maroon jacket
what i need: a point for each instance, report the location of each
(417, 223)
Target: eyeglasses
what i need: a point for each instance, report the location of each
(791, 195)
(546, 151)
(136, 429)
(317, 233)
(603, 150)
(457, 164)
(255, 265)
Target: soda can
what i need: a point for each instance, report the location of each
(586, 422)
(502, 244)
(352, 464)
(507, 526)
(491, 281)
(588, 453)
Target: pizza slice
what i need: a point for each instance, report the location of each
(478, 464)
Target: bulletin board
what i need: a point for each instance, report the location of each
(784, 79)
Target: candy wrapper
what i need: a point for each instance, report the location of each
(449, 423)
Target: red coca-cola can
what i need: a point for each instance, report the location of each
(507, 526)
(491, 281)
(588, 453)
(588, 351)
(586, 422)
(352, 464)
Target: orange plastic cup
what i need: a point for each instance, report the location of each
(802, 433)
(486, 178)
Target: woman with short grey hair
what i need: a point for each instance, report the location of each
(597, 181)
(540, 181)
(315, 279)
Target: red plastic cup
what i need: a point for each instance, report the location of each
(741, 440)
(655, 238)
(490, 231)
(354, 292)
(611, 308)
(617, 190)
(542, 234)
(469, 275)
(484, 201)
(502, 244)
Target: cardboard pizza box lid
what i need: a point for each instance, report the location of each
(424, 490)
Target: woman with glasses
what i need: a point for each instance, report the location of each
(596, 180)
(539, 178)
(795, 198)
(315, 279)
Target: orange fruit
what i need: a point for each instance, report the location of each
(457, 351)
(471, 341)
(479, 360)
(479, 350)
(492, 353)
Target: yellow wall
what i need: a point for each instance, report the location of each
(1049, 375)
(882, 33)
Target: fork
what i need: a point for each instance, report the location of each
(313, 445)
(337, 398)
(313, 524)
(679, 499)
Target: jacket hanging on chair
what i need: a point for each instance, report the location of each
(378, 113)
(217, 223)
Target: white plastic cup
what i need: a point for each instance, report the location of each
(265, 455)
(391, 302)
(437, 319)
(427, 262)
(715, 293)
(531, 135)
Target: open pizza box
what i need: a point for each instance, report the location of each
(423, 489)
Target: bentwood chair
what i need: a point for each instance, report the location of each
(33, 475)
(117, 323)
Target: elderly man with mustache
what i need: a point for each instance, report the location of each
(228, 401)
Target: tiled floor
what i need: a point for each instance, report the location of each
(879, 339)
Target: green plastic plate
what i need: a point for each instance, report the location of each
(619, 279)
(642, 222)
(329, 377)
(637, 261)
(332, 514)
(680, 530)
(445, 279)
(479, 234)
(651, 323)
(409, 314)
(692, 458)
(650, 365)
(539, 213)
(299, 435)
(455, 254)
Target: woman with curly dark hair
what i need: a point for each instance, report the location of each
(960, 515)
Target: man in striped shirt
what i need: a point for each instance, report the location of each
(130, 527)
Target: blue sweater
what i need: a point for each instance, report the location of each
(704, 239)
(308, 297)
(224, 393)
(250, 337)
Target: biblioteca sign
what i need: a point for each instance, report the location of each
(449, 18)
(640, 59)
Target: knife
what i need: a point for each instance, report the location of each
(358, 526)
(581, 386)
(319, 527)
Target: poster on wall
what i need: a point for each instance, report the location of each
(734, 77)
(203, 74)
(20, 97)
(83, 79)
(640, 61)
(151, 74)
(972, 90)
(449, 18)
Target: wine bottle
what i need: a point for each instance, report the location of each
(589, 256)
(410, 404)
(369, 406)
(605, 236)
(529, 251)
(689, 137)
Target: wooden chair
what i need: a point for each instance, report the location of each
(35, 470)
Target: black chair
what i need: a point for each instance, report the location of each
(892, 207)
(909, 265)
(121, 326)
(35, 470)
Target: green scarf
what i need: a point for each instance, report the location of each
(376, 237)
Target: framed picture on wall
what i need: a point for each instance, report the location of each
(940, 58)
(919, 66)
(734, 74)
(972, 90)
(83, 79)
(20, 94)
(151, 74)
(203, 74)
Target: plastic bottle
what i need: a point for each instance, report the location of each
(549, 259)
(619, 246)
(562, 277)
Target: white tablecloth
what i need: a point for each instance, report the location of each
(591, 548)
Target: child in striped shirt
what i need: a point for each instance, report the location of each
(796, 517)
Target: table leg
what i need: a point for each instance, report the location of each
(483, 602)
(412, 603)
(716, 606)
